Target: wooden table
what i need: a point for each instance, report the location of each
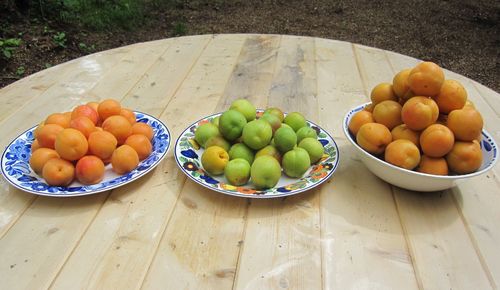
(166, 232)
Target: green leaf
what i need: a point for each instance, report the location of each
(7, 53)
(12, 42)
(20, 71)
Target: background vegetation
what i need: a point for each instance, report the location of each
(460, 35)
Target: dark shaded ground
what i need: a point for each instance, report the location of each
(462, 36)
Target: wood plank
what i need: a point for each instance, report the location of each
(363, 244)
(443, 252)
(199, 247)
(117, 254)
(437, 213)
(35, 246)
(252, 75)
(23, 91)
(490, 96)
(51, 256)
(281, 247)
(477, 209)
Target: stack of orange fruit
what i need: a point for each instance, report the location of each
(421, 121)
(79, 143)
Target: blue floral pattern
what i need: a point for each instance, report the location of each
(16, 169)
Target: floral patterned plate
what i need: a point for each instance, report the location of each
(188, 157)
(17, 171)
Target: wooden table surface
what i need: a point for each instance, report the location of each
(164, 231)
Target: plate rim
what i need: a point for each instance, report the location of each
(256, 196)
(114, 186)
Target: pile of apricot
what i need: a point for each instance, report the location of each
(78, 144)
(421, 122)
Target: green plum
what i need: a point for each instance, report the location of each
(205, 132)
(218, 141)
(275, 111)
(285, 139)
(313, 147)
(231, 124)
(272, 120)
(295, 120)
(237, 171)
(257, 134)
(271, 151)
(240, 150)
(305, 132)
(296, 162)
(265, 172)
(245, 107)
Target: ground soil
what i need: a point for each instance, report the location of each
(462, 36)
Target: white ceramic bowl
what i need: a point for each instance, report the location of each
(413, 180)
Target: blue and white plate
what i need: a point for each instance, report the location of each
(17, 171)
(188, 157)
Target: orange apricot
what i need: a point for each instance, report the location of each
(59, 119)
(46, 136)
(85, 111)
(452, 96)
(102, 144)
(388, 113)
(466, 124)
(419, 112)
(436, 140)
(465, 157)
(89, 170)
(403, 132)
(426, 79)
(71, 144)
(40, 157)
(35, 145)
(369, 108)
(83, 124)
(129, 115)
(358, 120)
(124, 159)
(119, 126)
(144, 129)
(37, 129)
(400, 83)
(58, 172)
(382, 92)
(141, 145)
(373, 137)
(431, 165)
(108, 108)
(93, 105)
(402, 153)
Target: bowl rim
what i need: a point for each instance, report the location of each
(484, 133)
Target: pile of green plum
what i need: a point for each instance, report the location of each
(243, 147)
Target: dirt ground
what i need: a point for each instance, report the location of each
(462, 36)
